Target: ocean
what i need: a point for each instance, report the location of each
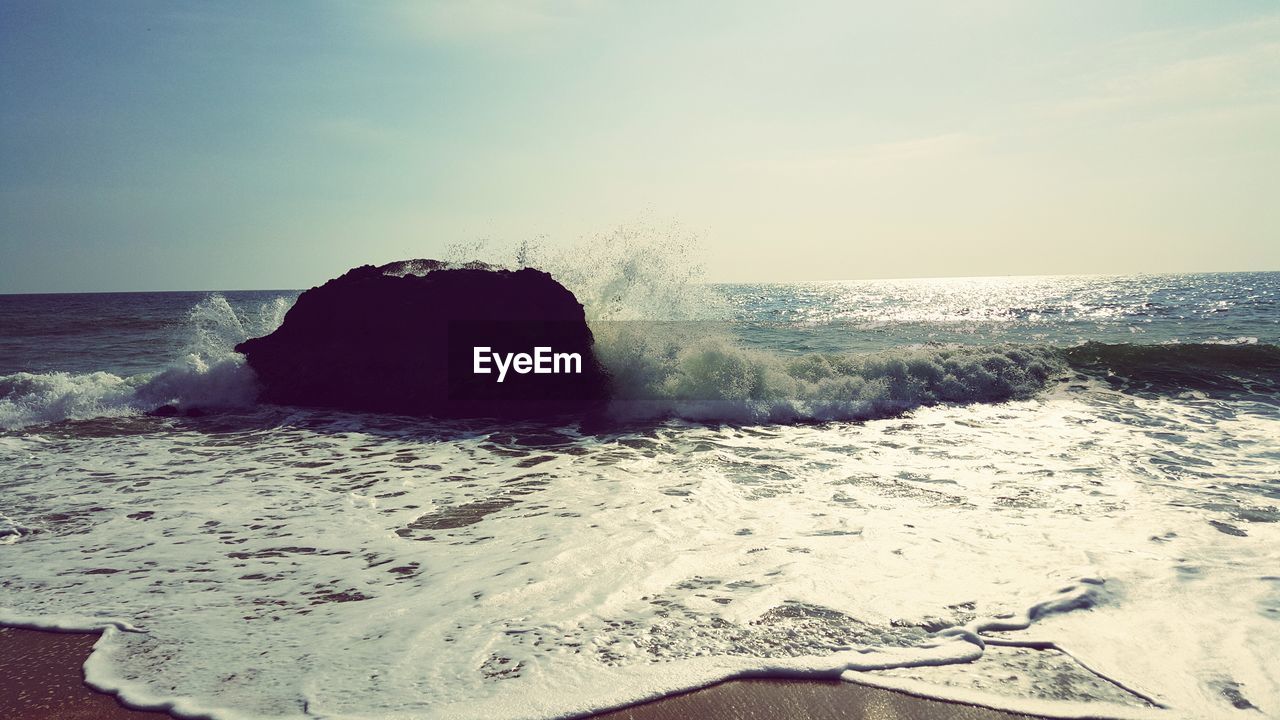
(1050, 494)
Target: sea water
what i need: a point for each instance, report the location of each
(1054, 494)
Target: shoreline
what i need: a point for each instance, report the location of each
(42, 678)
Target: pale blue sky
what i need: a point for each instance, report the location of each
(161, 145)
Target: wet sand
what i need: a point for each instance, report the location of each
(41, 679)
(802, 700)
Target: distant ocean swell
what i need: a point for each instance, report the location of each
(685, 373)
(1242, 367)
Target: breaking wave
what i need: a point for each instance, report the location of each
(650, 312)
(710, 378)
(704, 377)
(209, 375)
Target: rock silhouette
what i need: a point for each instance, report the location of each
(401, 338)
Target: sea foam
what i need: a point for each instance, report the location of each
(207, 374)
(284, 562)
(697, 373)
(468, 570)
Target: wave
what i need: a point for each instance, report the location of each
(209, 375)
(664, 373)
(1211, 367)
(690, 370)
(677, 373)
(600, 691)
(712, 379)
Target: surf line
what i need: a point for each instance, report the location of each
(543, 361)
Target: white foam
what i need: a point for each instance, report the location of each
(208, 375)
(639, 271)
(351, 566)
(1066, 710)
(694, 372)
(30, 398)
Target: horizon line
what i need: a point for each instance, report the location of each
(707, 282)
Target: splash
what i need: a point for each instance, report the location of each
(209, 374)
(636, 271)
(30, 398)
(655, 324)
(691, 372)
(660, 333)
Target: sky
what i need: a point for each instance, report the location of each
(169, 145)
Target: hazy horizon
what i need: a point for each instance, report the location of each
(156, 147)
(301, 288)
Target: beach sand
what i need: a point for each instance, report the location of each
(41, 679)
(802, 700)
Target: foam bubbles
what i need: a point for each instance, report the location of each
(27, 398)
(699, 372)
(531, 571)
(209, 374)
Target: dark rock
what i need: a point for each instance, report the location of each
(400, 339)
(167, 411)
